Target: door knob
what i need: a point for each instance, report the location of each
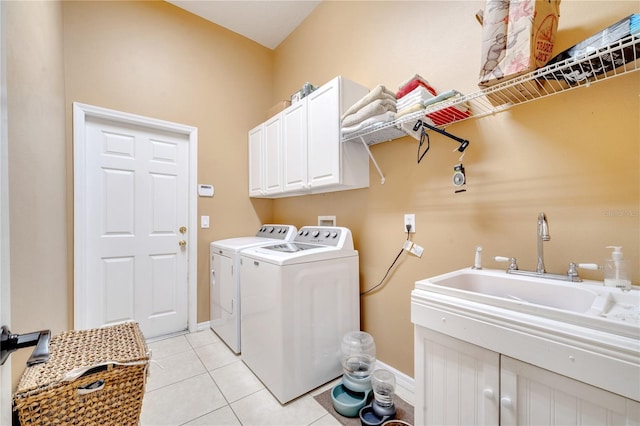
(182, 243)
(183, 229)
(10, 342)
(506, 402)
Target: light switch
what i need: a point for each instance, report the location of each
(204, 221)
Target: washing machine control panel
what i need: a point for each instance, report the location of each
(278, 232)
(325, 235)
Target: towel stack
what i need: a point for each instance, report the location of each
(412, 94)
(452, 113)
(377, 106)
(439, 116)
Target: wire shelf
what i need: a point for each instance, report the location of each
(618, 58)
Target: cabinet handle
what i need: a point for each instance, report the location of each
(506, 402)
(488, 393)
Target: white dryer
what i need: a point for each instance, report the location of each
(298, 300)
(225, 279)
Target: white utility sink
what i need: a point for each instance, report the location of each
(587, 303)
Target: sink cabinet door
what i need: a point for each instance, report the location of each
(535, 396)
(457, 383)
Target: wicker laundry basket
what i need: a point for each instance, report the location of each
(93, 377)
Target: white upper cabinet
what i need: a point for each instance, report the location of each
(294, 147)
(323, 107)
(273, 155)
(256, 136)
(310, 157)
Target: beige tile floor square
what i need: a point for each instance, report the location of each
(195, 379)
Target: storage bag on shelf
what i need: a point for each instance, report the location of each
(517, 38)
(604, 51)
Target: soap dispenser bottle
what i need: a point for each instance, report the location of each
(615, 270)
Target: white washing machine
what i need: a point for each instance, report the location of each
(225, 278)
(298, 300)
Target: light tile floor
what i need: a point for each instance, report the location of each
(195, 379)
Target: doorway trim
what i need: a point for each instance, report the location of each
(81, 112)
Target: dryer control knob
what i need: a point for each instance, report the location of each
(326, 234)
(334, 234)
(271, 229)
(315, 233)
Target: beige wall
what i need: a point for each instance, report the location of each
(147, 58)
(574, 156)
(37, 170)
(156, 60)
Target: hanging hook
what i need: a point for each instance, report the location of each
(463, 142)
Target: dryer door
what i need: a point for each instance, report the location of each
(222, 287)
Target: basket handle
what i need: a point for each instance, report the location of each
(91, 387)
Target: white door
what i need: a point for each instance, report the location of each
(133, 194)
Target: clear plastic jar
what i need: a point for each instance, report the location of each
(358, 354)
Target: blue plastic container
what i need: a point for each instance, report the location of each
(347, 402)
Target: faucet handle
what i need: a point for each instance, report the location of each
(591, 266)
(573, 269)
(513, 264)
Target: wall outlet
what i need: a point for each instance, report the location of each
(409, 219)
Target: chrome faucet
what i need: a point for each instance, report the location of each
(543, 235)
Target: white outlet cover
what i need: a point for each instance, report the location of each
(409, 219)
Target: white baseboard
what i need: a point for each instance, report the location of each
(203, 326)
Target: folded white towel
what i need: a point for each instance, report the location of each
(409, 110)
(377, 119)
(379, 92)
(419, 94)
(376, 107)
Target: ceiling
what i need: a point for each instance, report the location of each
(267, 22)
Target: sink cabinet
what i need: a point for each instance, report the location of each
(458, 383)
(299, 151)
(478, 363)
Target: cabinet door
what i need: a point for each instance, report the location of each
(294, 147)
(324, 135)
(273, 155)
(534, 396)
(457, 383)
(256, 137)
